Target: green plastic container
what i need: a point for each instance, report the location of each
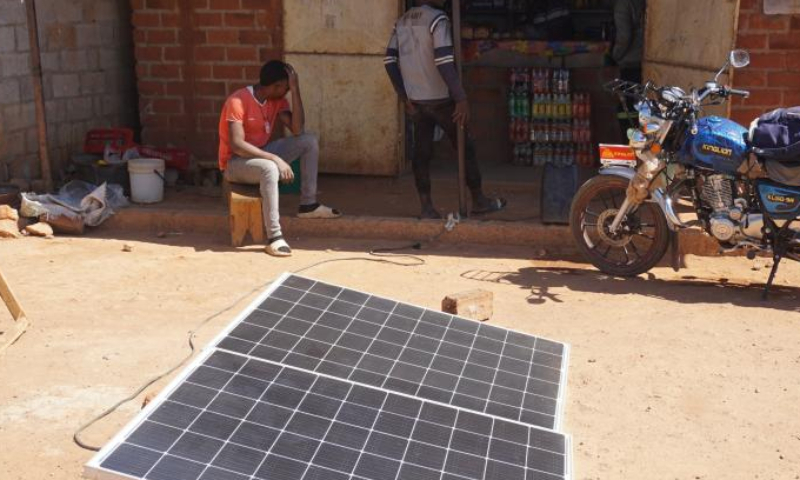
(294, 187)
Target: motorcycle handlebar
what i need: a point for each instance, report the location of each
(736, 91)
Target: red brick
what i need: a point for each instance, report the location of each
(139, 36)
(175, 88)
(145, 19)
(259, 5)
(160, 70)
(239, 20)
(199, 4)
(768, 61)
(205, 105)
(149, 88)
(267, 54)
(161, 37)
(174, 54)
(225, 4)
(137, 5)
(242, 54)
(142, 70)
(267, 19)
(210, 88)
(750, 5)
(784, 41)
(253, 37)
(170, 20)
(147, 54)
(784, 79)
(154, 121)
(793, 61)
(750, 78)
(161, 4)
(791, 98)
(745, 116)
(200, 70)
(209, 54)
(751, 41)
(202, 19)
(167, 105)
(795, 23)
(227, 72)
(222, 37)
(252, 72)
(759, 21)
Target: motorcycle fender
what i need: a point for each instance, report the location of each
(657, 196)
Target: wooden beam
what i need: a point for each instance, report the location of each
(20, 320)
(38, 96)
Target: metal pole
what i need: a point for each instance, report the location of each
(36, 78)
(461, 136)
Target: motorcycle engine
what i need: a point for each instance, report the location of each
(729, 219)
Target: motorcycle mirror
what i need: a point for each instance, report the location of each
(739, 58)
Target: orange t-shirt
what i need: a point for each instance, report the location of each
(257, 118)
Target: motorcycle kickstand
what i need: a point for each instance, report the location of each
(776, 262)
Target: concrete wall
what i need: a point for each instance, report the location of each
(773, 76)
(89, 82)
(190, 55)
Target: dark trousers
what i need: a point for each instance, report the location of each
(425, 121)
(629, 119)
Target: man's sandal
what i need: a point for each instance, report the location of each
(277, 247)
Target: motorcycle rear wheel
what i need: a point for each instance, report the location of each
(641, 241)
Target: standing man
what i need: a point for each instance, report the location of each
(420, 62)
(246, 155)
(629, 48)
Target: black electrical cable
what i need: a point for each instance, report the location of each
(378, 252)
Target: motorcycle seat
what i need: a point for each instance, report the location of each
(784, 171)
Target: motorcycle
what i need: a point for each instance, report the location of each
(624, 219)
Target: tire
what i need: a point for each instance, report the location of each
(594, 205)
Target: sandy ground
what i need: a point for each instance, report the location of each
(673, 376)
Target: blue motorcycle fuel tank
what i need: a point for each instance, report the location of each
(719, 145)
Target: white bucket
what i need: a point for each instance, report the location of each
(147, 179)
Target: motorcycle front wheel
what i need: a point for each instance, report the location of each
(641, 240)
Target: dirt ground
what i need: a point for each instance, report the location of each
(673, 376)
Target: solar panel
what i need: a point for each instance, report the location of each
(404, 348)
(234, 417)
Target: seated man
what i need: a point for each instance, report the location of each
(246, 155)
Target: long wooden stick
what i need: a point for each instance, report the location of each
(21, 322)
(461, 134)
(36, 78)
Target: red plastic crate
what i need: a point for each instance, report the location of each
(120, 139)
(177, 158)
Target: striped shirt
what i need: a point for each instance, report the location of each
(422, 42)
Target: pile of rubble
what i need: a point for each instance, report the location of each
(14, 226)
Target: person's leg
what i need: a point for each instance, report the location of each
(424, 126)
(480, 202)
(304, 147)
(258, 171)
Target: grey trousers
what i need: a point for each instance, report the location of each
(258, 171)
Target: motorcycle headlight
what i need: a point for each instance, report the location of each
(648, 122)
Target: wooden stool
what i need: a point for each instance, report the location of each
(244, 204)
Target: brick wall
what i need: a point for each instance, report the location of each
(87, 78)
(773, 76)
(190, 54)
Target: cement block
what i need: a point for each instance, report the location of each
(75, 60)
(80, 108)
(93, 82)
(23, 40)
(59, 37)
(26, 89)
(110, 58)
(66, 85)
(12, 13)
(15, 143)
(19, 117)
(88, 35)
(15, 64)
(474, 304)
(9, 91)
(7, 42)
(64, 12)
(51, 62)
(32, 140)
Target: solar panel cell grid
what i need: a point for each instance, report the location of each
(319, 428)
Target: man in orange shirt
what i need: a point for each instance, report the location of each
(246, 155)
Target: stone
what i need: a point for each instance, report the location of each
(474, 304)
(41, 229)
(9, 229)
(8, 213)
